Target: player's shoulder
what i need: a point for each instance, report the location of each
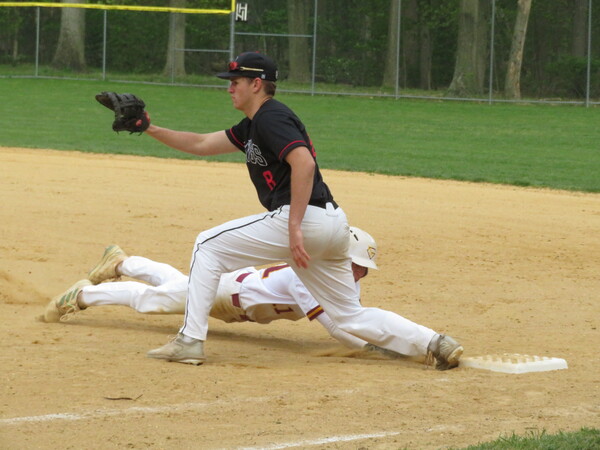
(275, 107)
(275, 112)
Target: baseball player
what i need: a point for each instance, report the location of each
(247, 294)
(303, 225)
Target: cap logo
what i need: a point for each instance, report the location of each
(234, 65)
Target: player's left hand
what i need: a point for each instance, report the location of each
(129, 111)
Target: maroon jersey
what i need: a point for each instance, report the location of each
(266, 140)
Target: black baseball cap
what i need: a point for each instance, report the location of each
(251, 65)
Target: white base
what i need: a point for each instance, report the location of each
(513, 363)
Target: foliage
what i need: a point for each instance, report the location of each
(351, 44)
(567, 76)
(440, 18)
(10, 22)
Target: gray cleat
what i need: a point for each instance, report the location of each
(446, 351)
(65, 304)
(107, 267)
(180, 351)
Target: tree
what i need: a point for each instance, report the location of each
(579, 30)
(10, 25)
(297, 13)
(175, 61)
(70, 50)
(512, 85)
(425, 56)
(472, 50)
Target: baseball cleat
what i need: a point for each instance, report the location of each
(446, 351)
(65, 303)
(178, 350)
(107, 267)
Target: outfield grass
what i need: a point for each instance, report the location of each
(526, 145)
(584, 439)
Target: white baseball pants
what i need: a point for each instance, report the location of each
(262, 239)
(164, 294)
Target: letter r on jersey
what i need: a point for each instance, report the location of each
(268, 176)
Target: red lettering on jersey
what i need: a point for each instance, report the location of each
(312, 148)
(268, 176)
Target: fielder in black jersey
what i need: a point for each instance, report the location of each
(303, 226)
(267, 139)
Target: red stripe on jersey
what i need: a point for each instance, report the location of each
(289, 145)
(315, 312)
(235, 138)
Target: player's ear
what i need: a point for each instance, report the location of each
(257, 85)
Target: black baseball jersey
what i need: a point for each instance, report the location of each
(266, 140)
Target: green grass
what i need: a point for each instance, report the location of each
(584, 439)
(525, 145)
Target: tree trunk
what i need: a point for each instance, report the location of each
(426, 55)
(70, 50)
(411, 46)
(512, 85)
(392, 55)
(471, 54)
(15, 42)
(175, 61)
(298, 11)
(579, 32)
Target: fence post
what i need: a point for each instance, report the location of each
(492, 45)
(172, 45)
(104, 35)
(589, 55)
(398, 35)
(232, 37)
(37, 40)
(314, 51)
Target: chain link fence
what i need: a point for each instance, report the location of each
(336, 49)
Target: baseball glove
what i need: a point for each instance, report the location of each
(129, 111)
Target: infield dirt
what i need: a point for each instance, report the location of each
(502, 269)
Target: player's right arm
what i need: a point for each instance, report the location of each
(344, 338)
(285, 276)
(201, 144)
